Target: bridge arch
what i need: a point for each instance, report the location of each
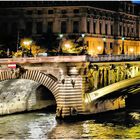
(47, 80)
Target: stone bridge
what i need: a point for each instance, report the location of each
(77, 82)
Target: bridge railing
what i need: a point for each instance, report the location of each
(78, 58)
(104, 58)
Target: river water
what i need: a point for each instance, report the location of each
(42, 125)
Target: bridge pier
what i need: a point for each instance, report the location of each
(70, 100)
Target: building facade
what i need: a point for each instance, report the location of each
(106, 30)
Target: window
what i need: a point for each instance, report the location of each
(76, 11)
(39, 12)
(127, 31)
(120, 30)
(132, 30)
(50, 11)
(63, 27)
(29, 27)
(14, 28)
(63, 11)
(14, 12)
(88, 27)
(111, 29)
(50, 26)
(94, 28)
(123, 30)
(75, 27)
(106, 28)
(2, 12)
(111, 45)
(39, 27)
(100, 28)
(4, 28)
(29, 12)
(88, 11)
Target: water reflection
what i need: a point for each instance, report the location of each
(30, 125)
(43, 126)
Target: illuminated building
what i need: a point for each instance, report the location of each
(109, 27)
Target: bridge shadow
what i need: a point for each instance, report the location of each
(121, 117)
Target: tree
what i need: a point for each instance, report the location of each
(28, 48)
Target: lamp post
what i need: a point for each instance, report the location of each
(17, 40)
(83, 35)
(122, 45)
(84, 51)
(8, 52)
(60, 43)
(104, 47)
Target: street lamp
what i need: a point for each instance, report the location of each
(60, 35)
(99, 49)
(60, 43)
(123, 45)
(83, 35)
(84, 50)
(104, 47)
(28, 43)
(67, 45)
(131, 50)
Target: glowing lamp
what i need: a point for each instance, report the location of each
(99, 48)
(104, 39)
(131, 50)
(123, 38)
(83, 35)
(67, 45)
(61, 35)
(27, 42)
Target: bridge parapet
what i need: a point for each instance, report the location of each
(70, 58)
(117, 58)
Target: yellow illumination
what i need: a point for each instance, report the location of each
(26, 42)
(131, 50)
(99, 48)
(91, 52)
(86, 100)
(67, 45)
